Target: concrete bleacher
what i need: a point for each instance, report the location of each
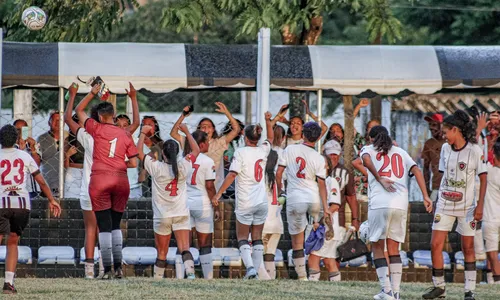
(53, 247)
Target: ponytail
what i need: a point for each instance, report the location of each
(279, 133)
(272, 159)
(382, 142)
(199, 137)
(170, 151)
(253, 132)
(462, 121)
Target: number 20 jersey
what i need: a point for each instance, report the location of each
(396, 166)
(303, 166)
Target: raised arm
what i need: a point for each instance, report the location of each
(482, 123)
(80, 108)
(73, 126)
(132, 93)
(280, 115)
(363, 103)
(140, 144)
(324, 128)
(269, 127)
(235, 127)
(195, 149)
(174, 133)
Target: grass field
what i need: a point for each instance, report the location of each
(146, 288)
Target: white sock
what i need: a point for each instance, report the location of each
(314, 275)
(101, 266)
(106, 246)
(207, 265)
(117, 240)
(270, 269)
(188, 261)
(438, 281)
(470, 281)
(9, 277)
(383, 274)
(179, 267)
(300, 266)
(262, 272)
(396, 270)
(89, 269)
(257, 254)
(334, 276)
(158, 272)
(489, 277)
(246, 254)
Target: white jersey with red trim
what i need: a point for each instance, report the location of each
(396, 166)
(333, 196)
(203, 170)
(492, 198)
(274, 222)
(303, 166)
(460, 168)
(16, 169)
(250, 165)
(87, 142)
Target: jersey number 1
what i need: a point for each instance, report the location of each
(396, 165)
(112, 148)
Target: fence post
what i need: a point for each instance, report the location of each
(23, 107)
(61, 143)
(348, 132)
(319, 95)
(263, 77)
(1, 46)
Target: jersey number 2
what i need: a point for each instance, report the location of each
(396, 165)
(18, 163)
(302, 165)
(172, 188)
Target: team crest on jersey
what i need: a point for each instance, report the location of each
(334, 191)
(437, 218)
(338, 179)
(462, 166)
(473, 225)
(12, 190)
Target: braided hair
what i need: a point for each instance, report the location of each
(382, 142)
(272, 160)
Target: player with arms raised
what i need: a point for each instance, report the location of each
(16, 168)
(389, 168)
(306, 190)
(247, 168)
(109, 186)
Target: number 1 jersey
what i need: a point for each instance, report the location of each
(396, 166)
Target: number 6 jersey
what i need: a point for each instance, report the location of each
(396, 166)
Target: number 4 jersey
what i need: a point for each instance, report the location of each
(396, 166)
(16, 167)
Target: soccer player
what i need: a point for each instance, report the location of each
(17, 167)
(171, 212)
(461, 160)
(108, 187)
(247, 168)
(389, 167)
(491, 223)
(306, 190)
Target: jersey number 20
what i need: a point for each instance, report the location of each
(395, 162)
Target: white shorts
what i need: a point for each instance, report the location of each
(73, 182)
(271, 241)
(165, 226)
(255, 216)
(387, 223)
(296, 214)
(491, 231)
(85, 202)
(466, 225)
(135, 193)
(329, 249)
(202, 220)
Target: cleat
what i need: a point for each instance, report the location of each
(303, 279)
(384, 296)
(435, 293)
(251, 274)
(105, 276)
(119, 273)
(9, 289)
(191, 276)
(469, 296)
(397, 296)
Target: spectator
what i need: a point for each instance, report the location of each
(49, 148)
(73, 163)
(123, 121)
(237, 142)
(431, 154)
(336, 131)
(154, 143)
(29, 145)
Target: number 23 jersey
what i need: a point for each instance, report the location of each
(459, 168)
(303, 166)
(396, 166)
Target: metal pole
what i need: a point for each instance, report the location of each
(258, 78)
(265, 75)
(319, 95)
(61, 143)
(1, 46)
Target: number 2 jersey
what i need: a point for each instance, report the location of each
(459, 168)
(250, 164)
(16, 168)
(396, 166)
(303, 166)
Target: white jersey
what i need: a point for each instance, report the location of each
(16, 169)
(87, 143)
(303, 166)
(459, 168)
(396, 166)
(169, 195)
(492, 199)
(203, 170)
(333, 195)
(250, 165)
(274, 222)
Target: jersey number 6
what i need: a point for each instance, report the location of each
(258, 171)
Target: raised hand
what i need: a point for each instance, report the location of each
(132, 93)
(183, 127)
(364, 102)
(95, 89)
(73, 89)
(306, 106)
(221, 107)
(482, 121)
(268, 116)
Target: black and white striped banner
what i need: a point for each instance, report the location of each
(349, 70)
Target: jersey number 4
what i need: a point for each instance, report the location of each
(172, 188)
(19, 164)
(393, 164)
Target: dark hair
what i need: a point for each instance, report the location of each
(52, 114)
(8, 136)
(279, 133)
(461, 120)
(331, 136)
(496, 150)
(122, 116)
(93, 113)
(170, 150)
(366, 127)
(289, 131)
(105, 109)
(329, 163)
(156, 138)
(19, 120)
(272, 160)
(215, 134)
(382, 142)
(228, 128)
(253, 132)
(311, 131)
(199, 136)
